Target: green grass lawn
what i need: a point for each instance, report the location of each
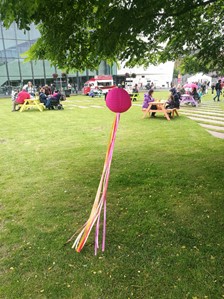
(165, 216)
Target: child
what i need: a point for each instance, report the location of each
(200, 94)
(14, 94)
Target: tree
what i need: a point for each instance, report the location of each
(175, 73)
(78, 34)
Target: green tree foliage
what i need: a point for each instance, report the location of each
(77, 34)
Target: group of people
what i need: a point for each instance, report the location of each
(217, 87)
(49, 98)
(195, 92)
(95, 91)
(172, 102)
(175, 96)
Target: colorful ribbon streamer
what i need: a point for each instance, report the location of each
(100, 200)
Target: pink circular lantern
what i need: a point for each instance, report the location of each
(118, 100)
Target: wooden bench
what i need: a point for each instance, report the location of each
(172, 111)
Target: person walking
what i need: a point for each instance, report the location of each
(218, 88)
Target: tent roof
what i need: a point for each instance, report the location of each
(200, 77)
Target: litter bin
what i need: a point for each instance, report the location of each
(67, 92)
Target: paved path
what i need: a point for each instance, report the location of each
(209, 115)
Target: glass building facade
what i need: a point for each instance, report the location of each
(14, 72)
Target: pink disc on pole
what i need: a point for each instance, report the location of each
(118, 100)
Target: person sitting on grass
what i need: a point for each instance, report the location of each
(22, 96)
(147, 100)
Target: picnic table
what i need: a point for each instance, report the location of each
(188, 99)
(161, 109)
(32, 103)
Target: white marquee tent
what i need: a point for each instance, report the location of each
(199, 78)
